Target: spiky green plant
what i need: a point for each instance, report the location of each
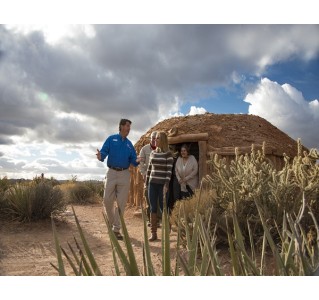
(32, 202)
(292, 256)
(123, 255)
(4, 186)
(83, 262)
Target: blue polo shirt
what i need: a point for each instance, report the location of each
(120, 153)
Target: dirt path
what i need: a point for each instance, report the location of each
(28, 249)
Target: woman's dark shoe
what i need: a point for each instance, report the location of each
(118, 236)
(153, 227)
(153, 237)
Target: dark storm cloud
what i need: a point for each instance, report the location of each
(70, 130)
(160, 58)
(5, 140)
(178, 56)
(9, 165)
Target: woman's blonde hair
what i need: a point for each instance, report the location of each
(163, 142)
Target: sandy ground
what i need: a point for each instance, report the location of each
(28, 249)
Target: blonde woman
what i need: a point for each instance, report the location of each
(145, 157)
(158, 176)
(186, 170)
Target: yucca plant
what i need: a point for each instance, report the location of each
(124, 258)
(32, 202)
(83, 261)
(293, 256)
(19, 200)
(4, 186)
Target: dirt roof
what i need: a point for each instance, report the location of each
(228, 130)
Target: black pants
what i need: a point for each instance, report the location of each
(174, 192)
(187, 194)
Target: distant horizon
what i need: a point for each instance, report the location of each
(47, 178)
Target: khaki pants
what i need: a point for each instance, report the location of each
(116, 189)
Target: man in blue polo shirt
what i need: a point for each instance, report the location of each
(120, 155)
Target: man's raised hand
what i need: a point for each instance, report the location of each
(98, 154)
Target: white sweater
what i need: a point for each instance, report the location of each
(187, 173)
(145, 155)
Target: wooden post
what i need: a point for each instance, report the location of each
(202, 165)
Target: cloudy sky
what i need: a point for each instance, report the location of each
(64, 88)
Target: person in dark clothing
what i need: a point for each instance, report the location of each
(174, 186)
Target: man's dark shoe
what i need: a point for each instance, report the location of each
(118, 236)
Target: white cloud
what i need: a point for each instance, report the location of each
(237, 78)
(169, 109)
(196, 110)
(54, 33)
(285, 107)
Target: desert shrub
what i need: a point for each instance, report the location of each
(66, 190)
(51, 180)
(81, 193)
(183, 214)
(48, 200)
(32, 202)
(97, 187)
(2, 204)
(252, 178)
(234, 189)
(4, 185)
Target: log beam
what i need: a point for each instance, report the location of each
(187, 138)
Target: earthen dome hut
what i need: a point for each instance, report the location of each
(209, 133)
